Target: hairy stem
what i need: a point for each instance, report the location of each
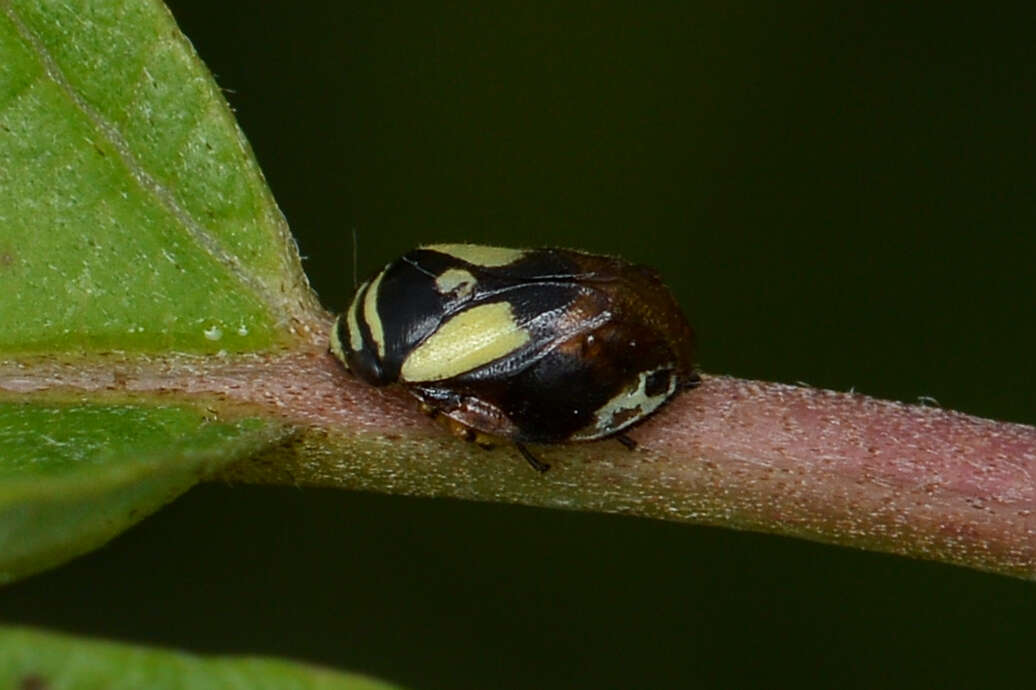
(835, 467)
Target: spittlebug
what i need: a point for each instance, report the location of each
(528, 345)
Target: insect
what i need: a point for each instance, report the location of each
(528, 345)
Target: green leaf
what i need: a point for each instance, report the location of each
(33, 659)
(136, 235)
(74, 475)
(132, 213)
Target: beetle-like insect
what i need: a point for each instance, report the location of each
(528, 345)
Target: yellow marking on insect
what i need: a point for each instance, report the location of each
(470, 339)
(630, 405)
(336, 343)
(351, 320)
(456, 279)
(479, 254)
(370, 315)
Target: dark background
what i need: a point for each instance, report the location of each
(839, 193)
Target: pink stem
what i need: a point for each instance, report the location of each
(834, 467)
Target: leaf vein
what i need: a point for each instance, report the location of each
(195, 229)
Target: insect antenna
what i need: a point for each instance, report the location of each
(355, 252)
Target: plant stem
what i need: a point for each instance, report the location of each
(835, 467)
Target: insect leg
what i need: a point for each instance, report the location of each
(531, 459)
(626, 441)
